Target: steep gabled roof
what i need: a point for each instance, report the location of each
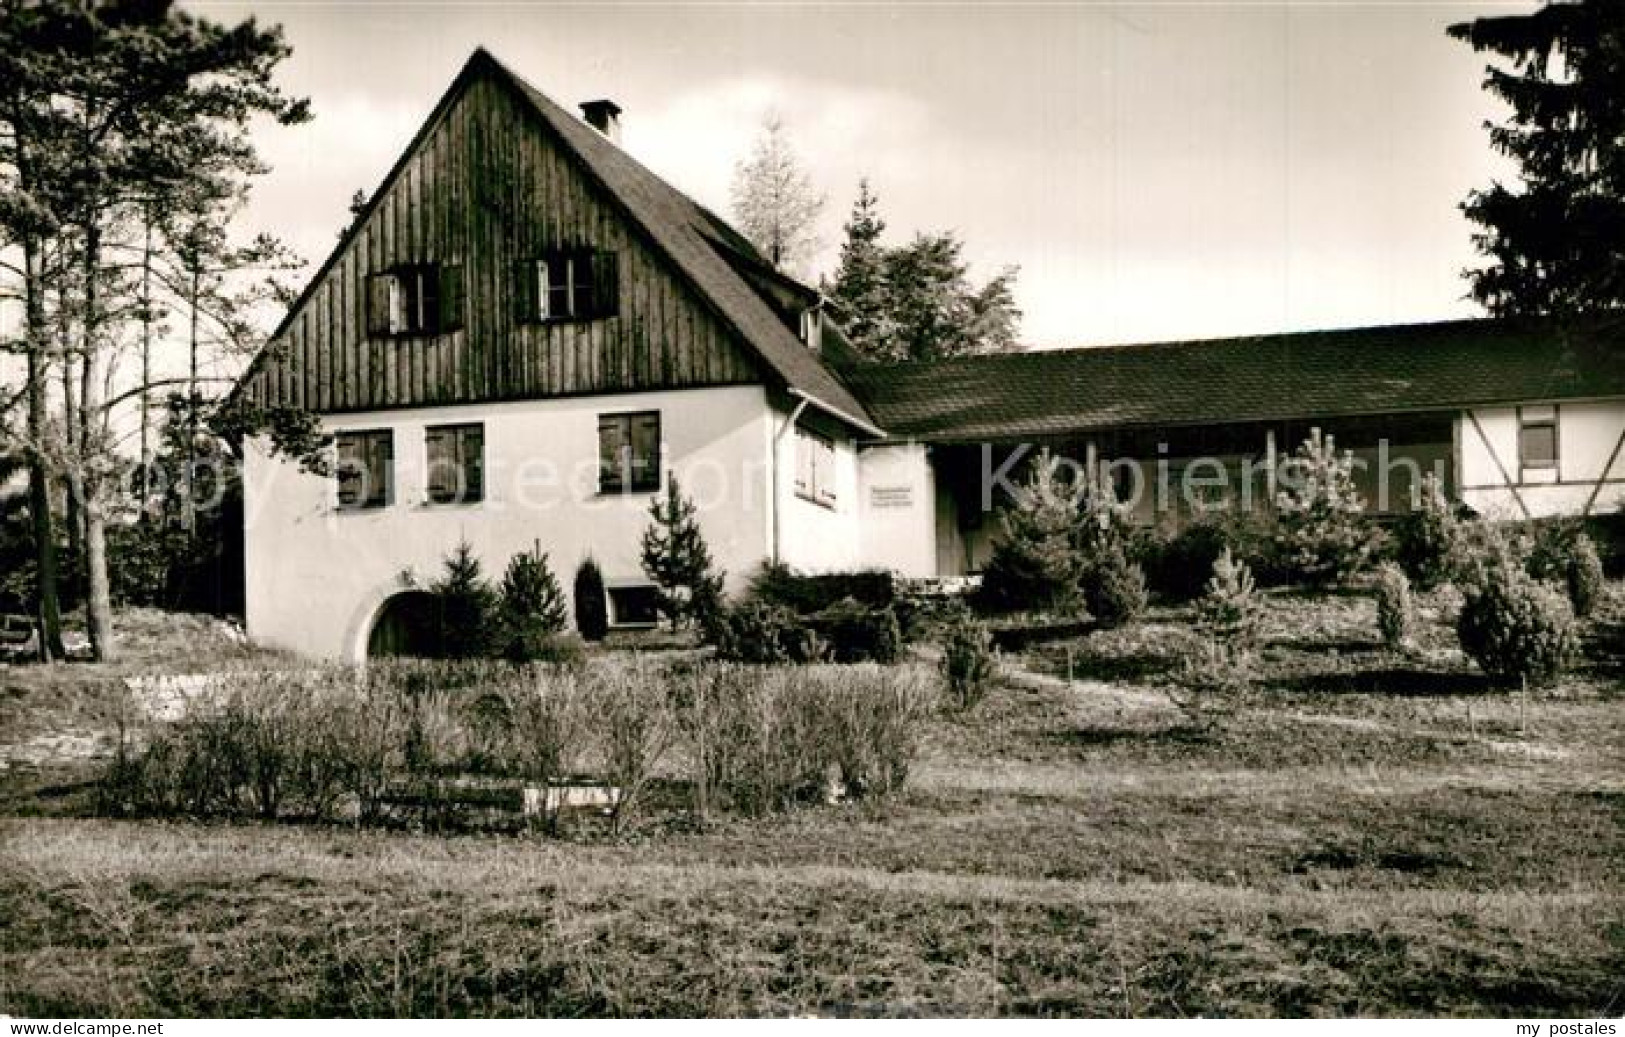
(716, 260)
(695, 240)
(1416, 367)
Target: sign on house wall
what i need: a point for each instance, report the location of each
(899, 496)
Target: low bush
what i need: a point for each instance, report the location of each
(1228, 613)
(763, 740)
(1516, 628)
(1583, 576)
(1396, 613)
(1178, 565)
(1428, 539)
(856, 633)
(1114, 592)
(809, 593)
(637, 729)
(1205, 681)
(763, 633)
(969, 661)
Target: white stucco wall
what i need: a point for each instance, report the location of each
(316, 576)
(1493, 482)
(898, 510)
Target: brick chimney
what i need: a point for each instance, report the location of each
(603, 116)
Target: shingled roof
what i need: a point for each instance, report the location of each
(1405, 368)
(696, 240)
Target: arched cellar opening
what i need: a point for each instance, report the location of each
(407, 626)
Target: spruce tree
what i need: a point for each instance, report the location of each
(676, 558)
(1557, 246)
(587, 595)
(467, 606)
(1036, 562)
(532, 605)
(859, 287)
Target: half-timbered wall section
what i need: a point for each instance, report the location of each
(487, 187)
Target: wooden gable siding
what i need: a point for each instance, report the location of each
(486, 187)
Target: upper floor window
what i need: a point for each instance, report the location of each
(815, 467)
(366, 469)
(1537, 437)
(629, 452)
(415, 299)
(574, 284)
(456, 457)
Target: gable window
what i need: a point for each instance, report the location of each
(366, 469)
(1537, 437)
(415, 299)
(815, 468)
(456, 456)
(573, 284)
(629, 452)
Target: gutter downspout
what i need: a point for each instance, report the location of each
(778, 496)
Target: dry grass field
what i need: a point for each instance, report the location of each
(1360, 833)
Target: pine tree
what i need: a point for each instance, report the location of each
(532, 605)
(676, 558)
(467, 606)
(1557, 247)
(1036, 561)
(1325, 533)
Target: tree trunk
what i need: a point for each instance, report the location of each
(99, 597)
(72, 483)
(47, 608)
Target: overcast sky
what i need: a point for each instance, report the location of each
(1157, 171)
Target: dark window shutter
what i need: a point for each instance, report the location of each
(611, 454)
(606, 284)
(524, 291)
(453, 296)
(378, 304)
(349, 471)
(473, 461)
(442, 465)
(645, 452)
(382, 490)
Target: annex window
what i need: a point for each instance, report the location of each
(634, 606)
(575, 284)
(456, 457)
(629, 452)
(366, 469)
(815, 467)
(1537, 437)
(418, 299)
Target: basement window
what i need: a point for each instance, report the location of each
(366, 469)
(634, 606)
(574, 284)
(1537, 437)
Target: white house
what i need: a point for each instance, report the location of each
(527, 333)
